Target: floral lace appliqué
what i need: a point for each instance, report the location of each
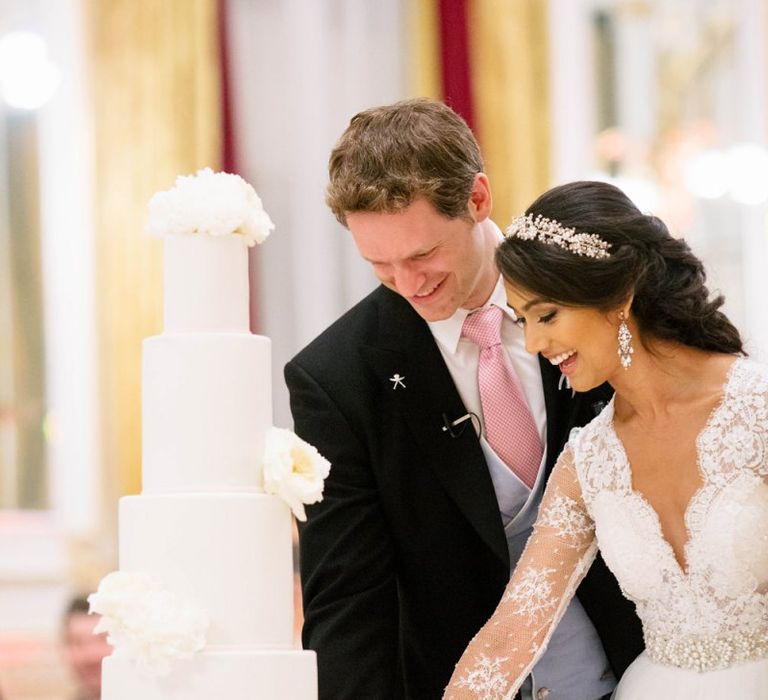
(722, 595)
(533, 595)
(566, 518)
(486, 679)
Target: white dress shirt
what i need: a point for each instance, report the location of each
(461, 355)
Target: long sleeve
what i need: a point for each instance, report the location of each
(556, 558)
(347, 559)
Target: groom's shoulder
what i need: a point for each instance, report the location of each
(361, 325)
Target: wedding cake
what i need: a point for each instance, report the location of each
(202, 606)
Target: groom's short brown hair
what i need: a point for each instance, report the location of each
(389, 156)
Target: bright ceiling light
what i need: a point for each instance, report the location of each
(27, 78)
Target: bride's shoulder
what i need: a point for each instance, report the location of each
(749, 377)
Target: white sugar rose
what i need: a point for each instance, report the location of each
(147, 622)
(210, 203)
(293, 470)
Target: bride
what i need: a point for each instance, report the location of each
(670, 481)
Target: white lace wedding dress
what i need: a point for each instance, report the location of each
(705, 627)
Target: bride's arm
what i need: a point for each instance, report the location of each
(556, 558)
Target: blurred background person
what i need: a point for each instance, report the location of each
(83, 649)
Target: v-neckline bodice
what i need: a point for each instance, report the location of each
(684, 565)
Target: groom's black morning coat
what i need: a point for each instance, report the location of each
(405, 558)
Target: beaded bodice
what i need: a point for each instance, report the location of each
(710, 615)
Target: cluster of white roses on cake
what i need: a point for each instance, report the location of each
(210, 203)
(293, 470)
(148, 622)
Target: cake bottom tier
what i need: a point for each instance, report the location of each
(218, 675)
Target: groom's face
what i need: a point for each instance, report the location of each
(437, 264)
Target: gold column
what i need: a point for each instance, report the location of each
(423, 49)
(156, 104)
(510, 74)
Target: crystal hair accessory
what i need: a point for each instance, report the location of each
(530, 228)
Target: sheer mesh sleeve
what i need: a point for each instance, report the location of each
(556, 558)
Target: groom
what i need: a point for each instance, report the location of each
(436, 473)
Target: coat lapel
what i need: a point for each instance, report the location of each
(425, 398)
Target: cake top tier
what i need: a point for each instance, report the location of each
(216, 204)
(207, 221)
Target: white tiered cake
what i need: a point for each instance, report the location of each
(203, 525)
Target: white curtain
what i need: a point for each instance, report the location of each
(300, 70)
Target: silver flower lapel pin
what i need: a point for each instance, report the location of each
(397, 380)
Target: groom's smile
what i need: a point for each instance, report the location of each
(436, 263)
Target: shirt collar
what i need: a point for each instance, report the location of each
(448, 331)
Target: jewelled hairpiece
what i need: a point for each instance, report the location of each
(530, 228)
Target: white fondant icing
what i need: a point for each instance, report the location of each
(206, 284)
(202, 525)
(231, 553)
(207, 403)
(231, 675)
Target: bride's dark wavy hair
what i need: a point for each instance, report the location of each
(671, 300)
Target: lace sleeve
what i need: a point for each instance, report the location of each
(556, 558)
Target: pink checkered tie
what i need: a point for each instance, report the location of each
(509, 425)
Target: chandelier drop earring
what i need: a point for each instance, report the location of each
(625, 342)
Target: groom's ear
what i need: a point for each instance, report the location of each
(480, 199)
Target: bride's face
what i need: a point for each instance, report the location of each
(581, 341)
